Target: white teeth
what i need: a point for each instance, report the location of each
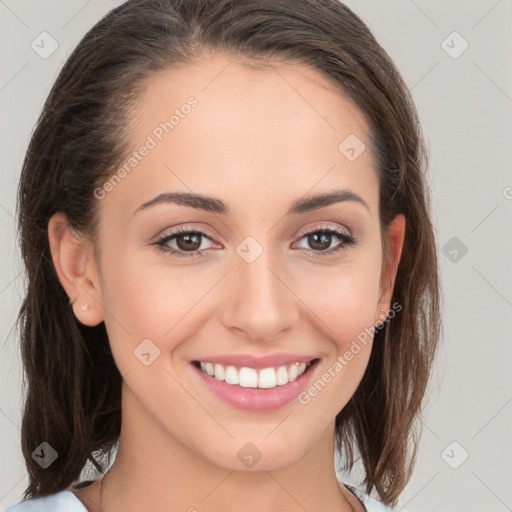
(267, 378)
(231, 375)
(282, 376)
(220, 374)
(292, 372)
(246, 377)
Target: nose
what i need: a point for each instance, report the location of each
(260, 301)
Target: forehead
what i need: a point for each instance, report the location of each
(271, 91)
(251, 136)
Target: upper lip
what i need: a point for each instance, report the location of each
(256, 362)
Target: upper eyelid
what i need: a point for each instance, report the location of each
(180, 230)
(305, 231)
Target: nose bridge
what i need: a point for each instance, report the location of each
(259, 302)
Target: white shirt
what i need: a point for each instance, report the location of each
(66, 501)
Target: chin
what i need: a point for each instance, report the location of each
(263, 451)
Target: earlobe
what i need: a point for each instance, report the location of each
(75, 265)
(395, 237)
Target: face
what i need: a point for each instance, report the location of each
(259, 278)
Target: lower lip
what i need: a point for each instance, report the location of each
(257, 399)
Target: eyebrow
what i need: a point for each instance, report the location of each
(213, 205)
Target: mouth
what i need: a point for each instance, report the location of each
(247, 377)
(257, 385)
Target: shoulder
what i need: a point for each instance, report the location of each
(370, 504)
(63, 501)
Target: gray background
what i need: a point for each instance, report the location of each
(465, 105)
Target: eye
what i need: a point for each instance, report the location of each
(188, 242)
(320, 240)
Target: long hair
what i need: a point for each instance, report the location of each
(73, 387)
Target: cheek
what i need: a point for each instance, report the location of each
(344, 297)
(150, 299)
(152, 302)
(346, 306)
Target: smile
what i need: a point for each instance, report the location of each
(255, 384)
(247, 377)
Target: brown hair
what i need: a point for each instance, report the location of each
(73, 386)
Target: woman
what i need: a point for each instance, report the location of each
(232, 268)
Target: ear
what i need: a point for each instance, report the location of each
(75, 264)
(395, 235)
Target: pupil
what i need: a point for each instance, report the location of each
(325, 239)
(190, 238)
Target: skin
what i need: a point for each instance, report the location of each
(258, 140)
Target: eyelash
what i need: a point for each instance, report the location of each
(346, 239)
